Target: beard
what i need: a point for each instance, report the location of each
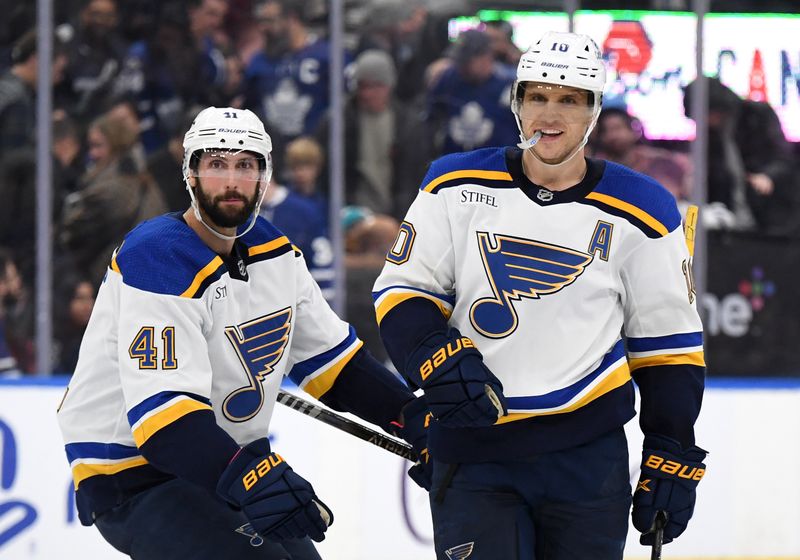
(226, 217)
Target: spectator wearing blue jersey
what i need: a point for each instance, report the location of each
(288, 83)
(160, 74)
(305, 225)
(94, 50)
(469, 104)
(205, 23)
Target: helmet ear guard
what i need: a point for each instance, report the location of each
(227, 129)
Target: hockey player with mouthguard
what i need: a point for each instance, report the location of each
(528, 289)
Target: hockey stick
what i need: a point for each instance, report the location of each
(346, 425)
(658, 539)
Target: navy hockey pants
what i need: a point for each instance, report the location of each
(571, 504)
(177, 520)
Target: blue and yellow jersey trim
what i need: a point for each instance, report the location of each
(486, 167)
(636, 198)
(161, 410)
(613, 372)
(209, 274)
(387, 299)
(165, 256)
(88, 459)
(318, 374)
(270, 249)
(669, 350)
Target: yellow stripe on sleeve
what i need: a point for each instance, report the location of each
(324, 381)
(468, 174)
(149, 427)
(201, 276)
(83, 471)
(393, 300)
(267, 247)
(617, 378)
(630, 209)
(692, 359)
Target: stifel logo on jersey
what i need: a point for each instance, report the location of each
(259, 345)
(520, 268)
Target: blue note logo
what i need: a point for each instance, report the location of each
(259, 345)
(460, 552)
(247, 530)
(520, 269)
(16, 516)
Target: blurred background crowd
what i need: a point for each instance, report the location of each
(130, 75)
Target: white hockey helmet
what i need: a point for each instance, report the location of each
(566, 59)
(229, 129)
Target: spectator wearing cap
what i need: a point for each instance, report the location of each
(468, 103)
(18, 93)
(386, 149)
(413, 32)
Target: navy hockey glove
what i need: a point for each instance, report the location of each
(414, 430)
(459, 389)
(279, 504)
(667, 483)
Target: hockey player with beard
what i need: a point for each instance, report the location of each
(200, 316)
(528, 288)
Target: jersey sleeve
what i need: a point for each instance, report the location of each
(661, 321)
(420, 263)
(664, 336)
(322, 343)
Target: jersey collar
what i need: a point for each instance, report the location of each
(545, 197)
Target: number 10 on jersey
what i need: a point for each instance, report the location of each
(143, 348)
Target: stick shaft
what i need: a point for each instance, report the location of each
(658, 539)
(346, 425)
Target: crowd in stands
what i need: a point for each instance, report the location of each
(129, 77)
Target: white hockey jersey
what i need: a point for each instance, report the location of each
(176, 329)
(551, 286)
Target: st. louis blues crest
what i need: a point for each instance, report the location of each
(259, 345)
(519, 269)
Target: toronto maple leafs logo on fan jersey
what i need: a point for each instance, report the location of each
(518, 269)
(259, 345)
(471, 127)
(287, 108)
